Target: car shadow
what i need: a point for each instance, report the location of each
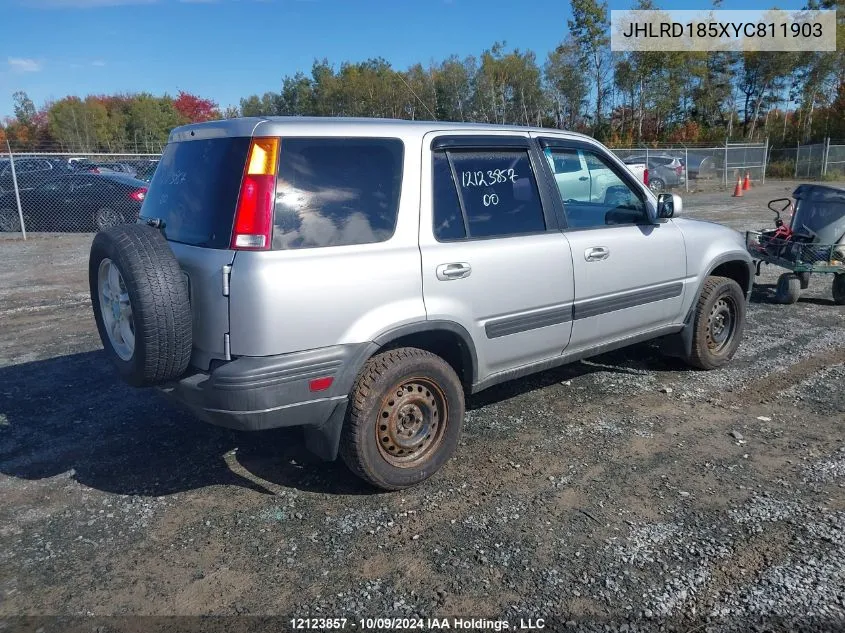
(71, 416)
(629, 360)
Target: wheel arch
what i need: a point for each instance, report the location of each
(734, 265)
(447, 339)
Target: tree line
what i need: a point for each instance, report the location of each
(623, 99)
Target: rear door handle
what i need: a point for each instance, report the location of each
(596, 253)
(456, 270)
(583, 178)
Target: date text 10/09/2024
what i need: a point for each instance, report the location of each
(723, 29)
(420, 624)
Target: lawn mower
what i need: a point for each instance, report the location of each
(812, 243)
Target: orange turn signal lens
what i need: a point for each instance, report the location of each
(263, 155)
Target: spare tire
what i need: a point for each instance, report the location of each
(141, 305)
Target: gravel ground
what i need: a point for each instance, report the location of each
(620, 493)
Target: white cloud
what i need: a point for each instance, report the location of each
(98, 62)
(23, 65)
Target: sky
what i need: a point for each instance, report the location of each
(228, 49)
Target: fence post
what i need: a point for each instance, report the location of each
(726, 162)
(825, 156)
(797, 156)
(686, 168)
(17, 191)
(765, 161)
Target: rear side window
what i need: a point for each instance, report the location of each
(496, 191)
(195, 190)
(336, 191)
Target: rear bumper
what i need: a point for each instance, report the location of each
(256, 393)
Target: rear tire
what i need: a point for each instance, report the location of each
(788, 289)
(718, 323)
(839, 289)
(141, 305)
(404, 420)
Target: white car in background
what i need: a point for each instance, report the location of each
(584, 177)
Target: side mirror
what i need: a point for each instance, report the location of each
(669, 205)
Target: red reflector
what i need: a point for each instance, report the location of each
(321, 384)
(645, 177)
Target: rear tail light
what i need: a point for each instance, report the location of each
(254, 215)
(94, 170)
(679, 169)
(645, 176)
(139, 194)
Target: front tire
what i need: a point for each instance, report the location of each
(718, 324)
(404, 420)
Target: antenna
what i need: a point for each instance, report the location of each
(433, 116)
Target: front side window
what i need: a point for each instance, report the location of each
(595, 195)
(337, 191)
(485, 193)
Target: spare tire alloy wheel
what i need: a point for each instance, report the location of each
(140, 301)
(656, 185)
(116, 309)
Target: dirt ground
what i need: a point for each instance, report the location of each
(619, 493)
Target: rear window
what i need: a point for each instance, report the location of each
(336, 191)
(195, 190)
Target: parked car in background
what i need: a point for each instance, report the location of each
(76, 202)
(664, 172)
(702, 166)
(31, 171)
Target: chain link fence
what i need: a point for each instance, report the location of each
(699, 168)
(71, 192)
(814, 161)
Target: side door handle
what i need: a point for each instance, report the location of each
(583, 178)
(456, 270)
(596, 253)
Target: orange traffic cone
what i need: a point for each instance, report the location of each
(738, 189)
(746, 185)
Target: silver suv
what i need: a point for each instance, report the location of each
(359, 277)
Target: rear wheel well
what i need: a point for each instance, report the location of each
(446, 344)
(737, 270)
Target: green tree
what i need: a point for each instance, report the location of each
(566, 85)
(589, 27)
